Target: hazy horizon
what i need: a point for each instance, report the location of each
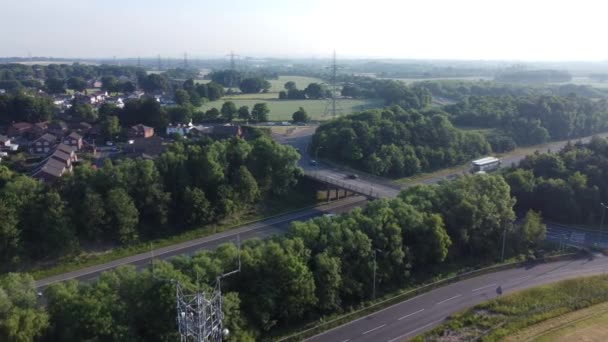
(543, 31)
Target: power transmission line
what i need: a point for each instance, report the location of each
(232, 56)
(331, 106)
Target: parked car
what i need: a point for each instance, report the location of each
(312, 162)
(352, 176)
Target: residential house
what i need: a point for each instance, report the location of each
(227, 131)
(6, 144)
(19, 129)
(69, 150)
(141, 131)
(58, 128)
(51, 170)
(150, 147)
(179, 129)
(39, 129)
(63, 156)
(4, 141)
(117, 101)
(136, 95)
(44, 144)
(95, 84)
(218, 131)
(73, 140)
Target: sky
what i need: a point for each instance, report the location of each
(536, 30)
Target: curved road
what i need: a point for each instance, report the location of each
(412, 317)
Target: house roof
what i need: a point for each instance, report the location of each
(141, 128)
(53, 167)
(58, 124)
(65, 148)
(42, 125)
(227, 130)
(63, 156)
(47, 137)
(75, 135)
(22, 125)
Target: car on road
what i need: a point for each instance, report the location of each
(312, 162)
(352, 176)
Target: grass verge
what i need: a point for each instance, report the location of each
(498, 318)
(302, 197)
(590, 324)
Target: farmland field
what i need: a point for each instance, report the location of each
(281, 110)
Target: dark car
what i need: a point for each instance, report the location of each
(352, 176)
(313, 162)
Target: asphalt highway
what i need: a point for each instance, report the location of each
(262, 229)
(412, 317)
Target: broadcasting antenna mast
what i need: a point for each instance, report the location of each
(200, 315)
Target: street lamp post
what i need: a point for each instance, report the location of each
(504, 240)
(374, 276)
(604, 207)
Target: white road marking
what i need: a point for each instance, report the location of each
(413, 313)
(522, 278)
(415, 330)
(484, 287)
(446, 300)
(376, 328)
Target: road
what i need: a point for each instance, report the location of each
(364, 184)
(412, 317)
(262, 229)
(379, 186)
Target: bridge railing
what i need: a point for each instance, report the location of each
(366, 191)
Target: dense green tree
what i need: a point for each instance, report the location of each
(260, 112)
(77, 83)
(289, 85)
(533, 230)
(179, 114)
(212, 114)
(253, 85)
(229, 111)
(10, 234)
(314, 91)
(110, 127)
(123, 215)
(244, 113)
(20, 318)
(55, 85)
(182, 97)
(300, 116)
(83, 112)
(197, 209)
(155, 83)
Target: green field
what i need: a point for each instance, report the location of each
(589, 324)
(282, 110)
(301, 82)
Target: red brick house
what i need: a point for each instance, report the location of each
(141, 131)
(73, 140)
(19, 129)
(44, 144)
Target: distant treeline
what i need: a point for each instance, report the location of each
(534, 76)
(533, 119)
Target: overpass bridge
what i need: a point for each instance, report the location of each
(337, 180)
